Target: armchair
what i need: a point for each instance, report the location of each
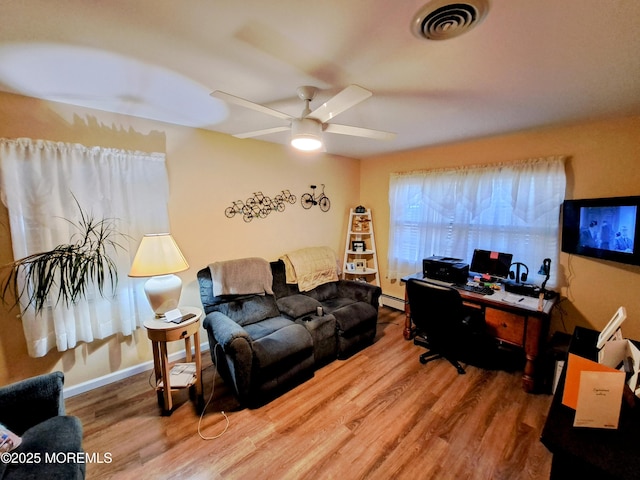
(34, 410)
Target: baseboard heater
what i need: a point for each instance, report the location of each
(393, 302)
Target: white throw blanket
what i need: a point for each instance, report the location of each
(243, 276)
(310, 267)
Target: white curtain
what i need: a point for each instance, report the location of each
(512, 208)
(39, 180)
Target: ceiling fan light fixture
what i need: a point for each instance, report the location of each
(306, 134)
(307, 131)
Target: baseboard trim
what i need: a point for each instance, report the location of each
(393, 302)
(113, 377)
(147, 366)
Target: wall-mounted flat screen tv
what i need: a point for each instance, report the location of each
(603, 228)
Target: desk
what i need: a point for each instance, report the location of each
(590, 452)
(161, 332)
(515, 322)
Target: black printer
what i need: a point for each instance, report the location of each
(446, 269)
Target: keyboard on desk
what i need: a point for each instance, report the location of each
(473, 288)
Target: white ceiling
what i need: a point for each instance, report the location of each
(528, 64)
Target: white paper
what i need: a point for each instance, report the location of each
(523, 301)
(172, 315)
(181, 375)
(599, 399)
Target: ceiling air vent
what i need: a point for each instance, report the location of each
(441, 19)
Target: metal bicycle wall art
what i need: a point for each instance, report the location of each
(259, 206)
(308, 200)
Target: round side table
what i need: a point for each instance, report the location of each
(161, 332)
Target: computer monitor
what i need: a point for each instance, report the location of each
(494, 264)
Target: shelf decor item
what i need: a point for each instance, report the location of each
(358, 246)
(65, 273)
(361, 224)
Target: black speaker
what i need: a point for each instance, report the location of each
(517, 276)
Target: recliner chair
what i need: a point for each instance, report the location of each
(443, 324)
(257, 351)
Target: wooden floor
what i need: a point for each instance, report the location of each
(378, 415)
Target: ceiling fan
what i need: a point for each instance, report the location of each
(306, 131)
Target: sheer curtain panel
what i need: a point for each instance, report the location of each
(512, 208)
(39, 180)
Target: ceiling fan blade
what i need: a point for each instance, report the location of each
(257, 133)
(359, 132)
(247, 104)
(342, 101)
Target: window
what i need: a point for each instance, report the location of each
(512, 208)
(39, 182)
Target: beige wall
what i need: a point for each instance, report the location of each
(207, 171)
(604, 162)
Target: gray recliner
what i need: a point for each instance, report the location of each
(256, 349)
(34, 410)
(352, 306)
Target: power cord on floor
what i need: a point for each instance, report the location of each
(151, 374)
(204, 409)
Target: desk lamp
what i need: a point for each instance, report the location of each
(159, 257)
(545, 269)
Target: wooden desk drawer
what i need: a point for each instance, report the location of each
(505, 326)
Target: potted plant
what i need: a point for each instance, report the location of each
(64, 273)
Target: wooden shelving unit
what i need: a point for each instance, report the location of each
(360, 263)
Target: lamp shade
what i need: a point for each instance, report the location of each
(158, 254)
(159, 257)
(306, 134)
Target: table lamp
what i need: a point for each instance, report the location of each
(159, 257)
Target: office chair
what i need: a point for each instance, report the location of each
(439, 316)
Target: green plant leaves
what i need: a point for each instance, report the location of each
(73, 268)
